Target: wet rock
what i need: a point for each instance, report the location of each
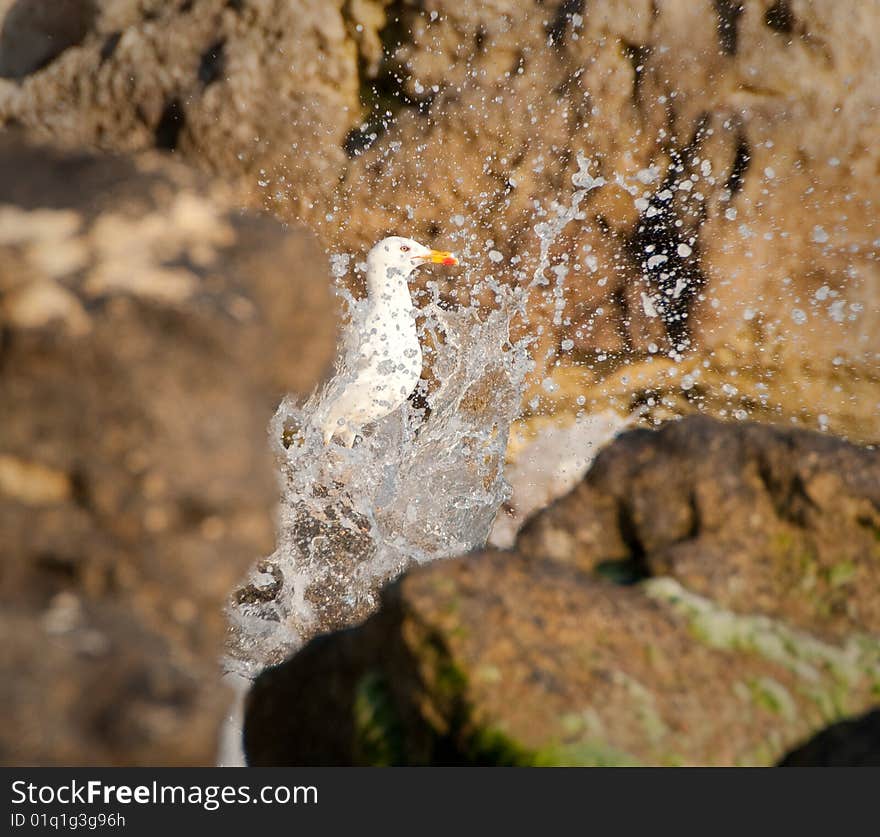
(148, 330)
(414, 489)
(533, 656)
(736, 220)
(761, 519)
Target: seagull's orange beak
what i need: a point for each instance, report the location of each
(440, 257)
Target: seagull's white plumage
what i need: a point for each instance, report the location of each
(383, 360)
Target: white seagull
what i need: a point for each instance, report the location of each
(382, 363)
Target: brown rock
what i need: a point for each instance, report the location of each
(526, 657)
(760, 519)
(148, 332)
(744, 134)
(88, 683)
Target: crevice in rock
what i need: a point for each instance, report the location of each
(629, 534)
(557, 27)
(660, 244)
(383, 93)
(480, 39)
(623, 571)
(741, 161)
(5, 341)
(170, 124)
(57, 571)
(871, 524)
(780, 18)
(728, 12)
(622, 323)
(108, 48)
(638, 55)
(212, 65)
(787, 493)
(79, 490)
(696, 518)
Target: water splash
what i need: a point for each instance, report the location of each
(426, 482)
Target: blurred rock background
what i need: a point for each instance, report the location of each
(707, 595)
(148, 326)
(148, 331)
(744, 132)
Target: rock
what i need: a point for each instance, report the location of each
(248, 90)
(149, 329)
(88, 683)
(736, 220)
(35, 32)
(853, 743)
(780, 522)
(533, 656)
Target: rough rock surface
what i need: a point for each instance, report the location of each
(246, 89)
(763, 520)
(745, 621)
(743, 134)
(736, 139)
(148, 331)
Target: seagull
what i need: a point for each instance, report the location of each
(382, 363)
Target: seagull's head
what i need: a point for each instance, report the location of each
(398, 256)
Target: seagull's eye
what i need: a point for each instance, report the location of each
(404, 248)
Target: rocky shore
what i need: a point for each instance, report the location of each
(173, 177)
(148, 330)
(737, 142)
(708, 595)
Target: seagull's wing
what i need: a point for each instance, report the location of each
(354, 354)
(350, 366)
